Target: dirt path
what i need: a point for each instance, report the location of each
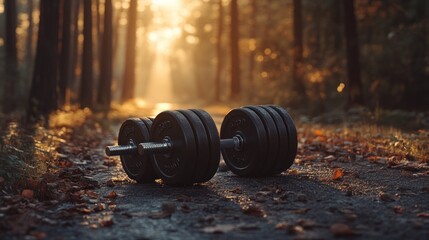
(337, 188)
(368, 201)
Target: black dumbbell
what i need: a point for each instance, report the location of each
(184, 145)
(258, 140)
(183, 148)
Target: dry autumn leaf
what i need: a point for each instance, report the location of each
(27, 193)
(337, 174)
(341, 230)
(254, 211)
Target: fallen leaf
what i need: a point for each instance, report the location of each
(386, 197)
(297, 229)
(27, 193)
(341, 230)
(38, 235)
(253, 211)
(282, 226)
(106, 221)
(92, 194)
(423, 215)
(112, 195)
(300, 211)
(398, 209)
(307, 223)
(337, 174)
(99, 207)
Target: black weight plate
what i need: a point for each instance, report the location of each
(281, 159)
(148, 122)
(214, 142)
(272, 139)
(246, 123)
(175, 167)
(135, 166)
(292, 136)
(203, 148)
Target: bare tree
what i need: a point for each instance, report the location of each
(235, 57)
(297, 71)
(86, 85)
(130, 61)
(104, 90)
(11, 21)
(43, 94)
(65, 64)
(219, 51)
(352, 47)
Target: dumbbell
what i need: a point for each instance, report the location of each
(184, 145)
(180, 147)
(258, 140)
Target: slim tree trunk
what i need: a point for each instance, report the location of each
(352, 48)
(219, 51)
(65, 67)
(235, 57)
(129, 72)
(86, 85)
(253, 38)
(297, 71)
(74, 55)
(104, 96)
(11, 21)
(29, 47)
(9, 90)
(43, 94)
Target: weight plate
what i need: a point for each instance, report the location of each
(292, 136)
(214, 142)
(137, 167)
(203, 148)
(246, 123)
(175, 167)
(148, 122)
(281, 159)
(272, 140)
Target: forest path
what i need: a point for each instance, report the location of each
(365, 200)
(340, 185)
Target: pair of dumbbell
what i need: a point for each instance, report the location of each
(183, 146)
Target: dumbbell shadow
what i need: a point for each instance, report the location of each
(183, 147)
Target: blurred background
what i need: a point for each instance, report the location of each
(311, 55)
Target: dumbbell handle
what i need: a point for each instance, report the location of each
(128, 149)
(142, 148)
(235, 142)
(165, 146)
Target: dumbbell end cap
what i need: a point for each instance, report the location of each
(107, 151)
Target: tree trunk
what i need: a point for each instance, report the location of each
(235, 57)
(219, 52)
(352, 48)
(43, 94)
(71, 98)
(104, 96)
(129, 72)
(86, 85)
(29, 46)
(65, 68)
(11, 21)
(297, 69)
(252, 36)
